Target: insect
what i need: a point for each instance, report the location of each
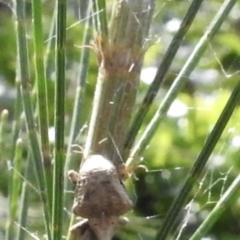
(101, 199)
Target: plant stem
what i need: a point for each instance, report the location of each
(24, 201)
(14, 191)
(77, 110)
(120, 59)
(18, 119)
(22, 53)
(50, 44)
(42, 95)
(23, 206)
(59, 156)
(3, 125)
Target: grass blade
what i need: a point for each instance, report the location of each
(42, 95)
(28, 106)
(24, 201)
(77, 110)
(59, 153)
(48, 63)
(18, 119)
(23, 206)
(14, 191)
(3, 125)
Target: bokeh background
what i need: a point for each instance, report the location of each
(180, 137)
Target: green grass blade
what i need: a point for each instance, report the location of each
(24, 201)
(103, 17)
(28, 106)
(77, 109)
(59, 156)
(23, 207)
(228, 197)
(179, 82)
(3, 124)
(14, 191)
(42, 95)
(50, 44)
(18, 119)
(161, 73)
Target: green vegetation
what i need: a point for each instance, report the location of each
(70, 77)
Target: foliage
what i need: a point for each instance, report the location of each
(176, 143)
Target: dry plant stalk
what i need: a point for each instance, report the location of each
(100, 195)
(120, 59)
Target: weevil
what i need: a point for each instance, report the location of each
(101, 199)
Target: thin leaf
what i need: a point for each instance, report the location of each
(59, 151)
(24, 201)
(42, 95)
(24, 77)
(77, 110)
(3, 127)
(14, 191)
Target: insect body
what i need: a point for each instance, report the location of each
(100, 196)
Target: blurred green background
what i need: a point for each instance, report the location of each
(180, 137)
